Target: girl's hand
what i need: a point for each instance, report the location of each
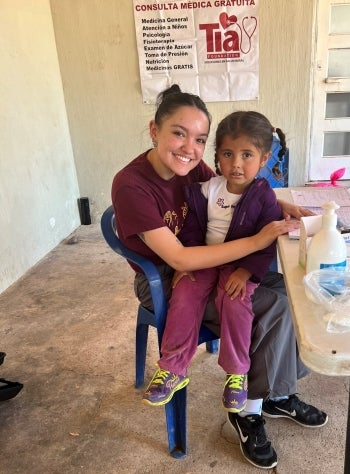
(178, 275)
(236, 283)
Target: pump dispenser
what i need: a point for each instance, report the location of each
(327, 248)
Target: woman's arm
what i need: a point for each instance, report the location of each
(292, 210)
(164, 243)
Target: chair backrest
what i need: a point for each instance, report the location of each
(276, 169)
(149, 269)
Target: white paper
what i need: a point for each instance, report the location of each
(314, 198)
(209, 48)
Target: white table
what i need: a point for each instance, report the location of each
(326, 353)
(321, 351)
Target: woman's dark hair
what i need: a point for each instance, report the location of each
(253, 125)
(171, 99)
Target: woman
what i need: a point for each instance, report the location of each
(150, 209)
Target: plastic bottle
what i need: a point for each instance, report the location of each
(327, 248)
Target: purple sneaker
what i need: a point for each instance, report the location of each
(163, 386)
(234, 398)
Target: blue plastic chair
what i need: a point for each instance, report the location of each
(276, 169)
(175, 410)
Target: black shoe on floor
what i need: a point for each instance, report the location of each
(9, 389)
(296, 410)
(255, 446)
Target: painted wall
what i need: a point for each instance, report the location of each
(109, 123)
(38, 184)
(89, 47)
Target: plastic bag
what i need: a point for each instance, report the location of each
(331, 290)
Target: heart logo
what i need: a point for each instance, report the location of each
(226, 20)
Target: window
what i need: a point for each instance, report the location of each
(330, 117)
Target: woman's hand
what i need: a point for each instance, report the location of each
(292, 210)
(271, 231)
(178, 275)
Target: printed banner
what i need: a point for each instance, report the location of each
(209, 48)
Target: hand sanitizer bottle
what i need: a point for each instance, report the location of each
(327, 248)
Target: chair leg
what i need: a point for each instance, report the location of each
(212, 346)
(274, 265)
(175, 412)
(141, 348)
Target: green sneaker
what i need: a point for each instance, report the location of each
(234, 398)
(163, 386)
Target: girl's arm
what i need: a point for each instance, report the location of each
(164, 243)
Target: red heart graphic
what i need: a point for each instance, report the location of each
(226, 20)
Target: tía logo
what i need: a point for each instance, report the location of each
(230, 37)
(226, 20)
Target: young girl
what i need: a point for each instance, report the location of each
(230, 206)
(150, 208)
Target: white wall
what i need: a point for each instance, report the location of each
(109, 123)
(38, 184)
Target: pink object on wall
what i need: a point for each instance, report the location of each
(337, 174)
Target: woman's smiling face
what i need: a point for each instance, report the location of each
(180, 142)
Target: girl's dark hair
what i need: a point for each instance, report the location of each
(171, 99)
(253, 125)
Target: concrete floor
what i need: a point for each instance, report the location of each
(68, 330)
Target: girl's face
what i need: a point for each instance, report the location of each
(239, 162)
(180, 140)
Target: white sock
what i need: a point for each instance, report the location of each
(253, 407)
